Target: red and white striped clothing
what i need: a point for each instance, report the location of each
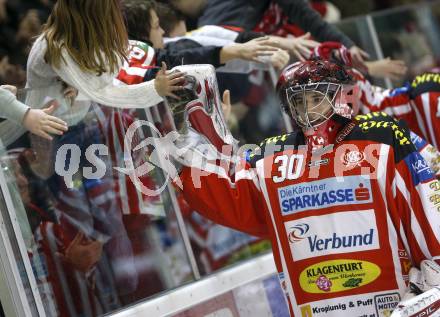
(426, 115)
(343, 245)
(114, 124)
(417, 104)
(140, 59)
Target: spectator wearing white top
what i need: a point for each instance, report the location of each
(83, 45)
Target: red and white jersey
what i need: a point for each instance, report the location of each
(425, 94)
(345, 224)
(417, 104)
(398, 103)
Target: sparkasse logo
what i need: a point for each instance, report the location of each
(324, 193)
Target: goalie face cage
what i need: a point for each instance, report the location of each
(313, 104)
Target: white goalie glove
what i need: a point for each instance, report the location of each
(201, 138)
(423, 296)
(203, 134)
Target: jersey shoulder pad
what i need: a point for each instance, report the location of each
(380, 127)
(427, 82)
(373, 116)
(272, 145)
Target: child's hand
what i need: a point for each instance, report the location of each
(10, 88)
(41, 123)
(254, 50)
(166, 82)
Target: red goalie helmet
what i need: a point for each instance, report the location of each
(311, 92)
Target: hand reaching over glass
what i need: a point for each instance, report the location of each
(39, 121)
(252, 50)
(167, 82)
(279, 59)
(300, 46)
(387, 68)
(358, 55)
(42, 123)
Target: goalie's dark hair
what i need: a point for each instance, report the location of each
(138, 18)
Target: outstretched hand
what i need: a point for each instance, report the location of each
(358, 55)
(42, 123)
(10, 88)
(387, 68)
(167, 82)
(279, 59)
(300, 46)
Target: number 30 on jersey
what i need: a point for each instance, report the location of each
(288, 167)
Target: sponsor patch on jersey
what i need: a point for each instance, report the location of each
(340, 232)
(419, 168)
(324, 193)
(353, 158)
(364, 305)
(418, 141)
(434, 197)
(386, 303)
(405, 263)
(337, 276)
(317, 310)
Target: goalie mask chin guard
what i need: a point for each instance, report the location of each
(199, 108)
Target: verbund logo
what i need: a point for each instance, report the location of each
(341, 232)
(298, 232)
(336, 242)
